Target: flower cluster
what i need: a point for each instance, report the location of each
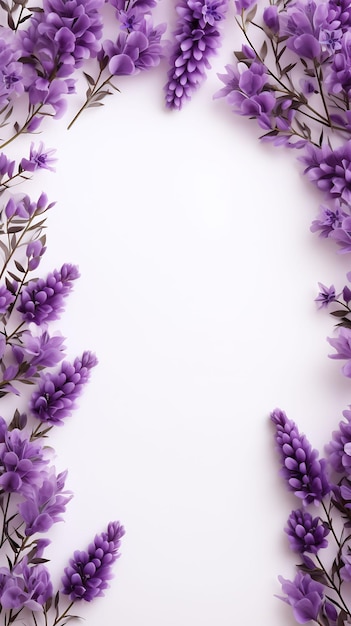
(196, 38)
(296, 84)
(33, 496)
(43, 51)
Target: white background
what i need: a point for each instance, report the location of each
(198, 279)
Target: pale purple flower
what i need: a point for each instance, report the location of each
(244, 5)
(195, 41)
(39, 351)
(39, 158)
(339, 448)
(304, 595)
(25, 586)
(271, 18)
(328, 219)
(57, 393)
(42, 300)
(6, 298)
(6, 166)
(304, 473)
(326, 295)
(342, 235)
(302, 24)
(342, 345)
(330, 170)
(34, 251)
(24, 207)
(305, 533)
(45, 503)
(88, 573)
(21, 462)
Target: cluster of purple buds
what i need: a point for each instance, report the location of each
(56, 42)
(305, 533)
(42, 300)
(56, 396)
(88, 572)
(303, 472)
(138, 45)
(196, 38)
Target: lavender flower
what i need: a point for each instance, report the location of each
(45, 502)
(38, 159)
(304, 595)
(88, 572)
(56, 396)
(306, 534)
(339, 448)
(25, 586)
(342, 345)
(330, 169)
(326, 295)
(43, 300)
(304, 473)
(40, 351)
(196, 38)
(6, 298)
(328, 219)
(21, 462)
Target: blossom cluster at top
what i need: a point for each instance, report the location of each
(41, 51)
(293, 76)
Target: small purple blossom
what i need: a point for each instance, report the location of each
(305, 533)
(329, 219)
(304, 595)
(330, 170)
(339, 448)
(57, 393)
(40, 351)
(342, 345)
(25, 586)
(21, 462)
(87, 574)
(34, 252)
(304, 473)
(44, 503)
(42, 300)
(6, 298)
(326, 295)
(39, 159)
(271, 18)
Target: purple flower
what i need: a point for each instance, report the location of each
(43, 299)
(25, 586)
(44, 503)
(57, 393)
(271, 18)
(342, 235)
(25, 208)
(330, 169)
(304, 473)
(304, 595)
(87, 574)
(342, 345)
(34, 252)
(6, 298)
(302, 24)
(326, 295)
(195, 40)
(339, 448)
(40, 351)
(21, 462)
(38, 159)
(306, 534)
(328, 219)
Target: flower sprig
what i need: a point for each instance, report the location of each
(292, 76)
